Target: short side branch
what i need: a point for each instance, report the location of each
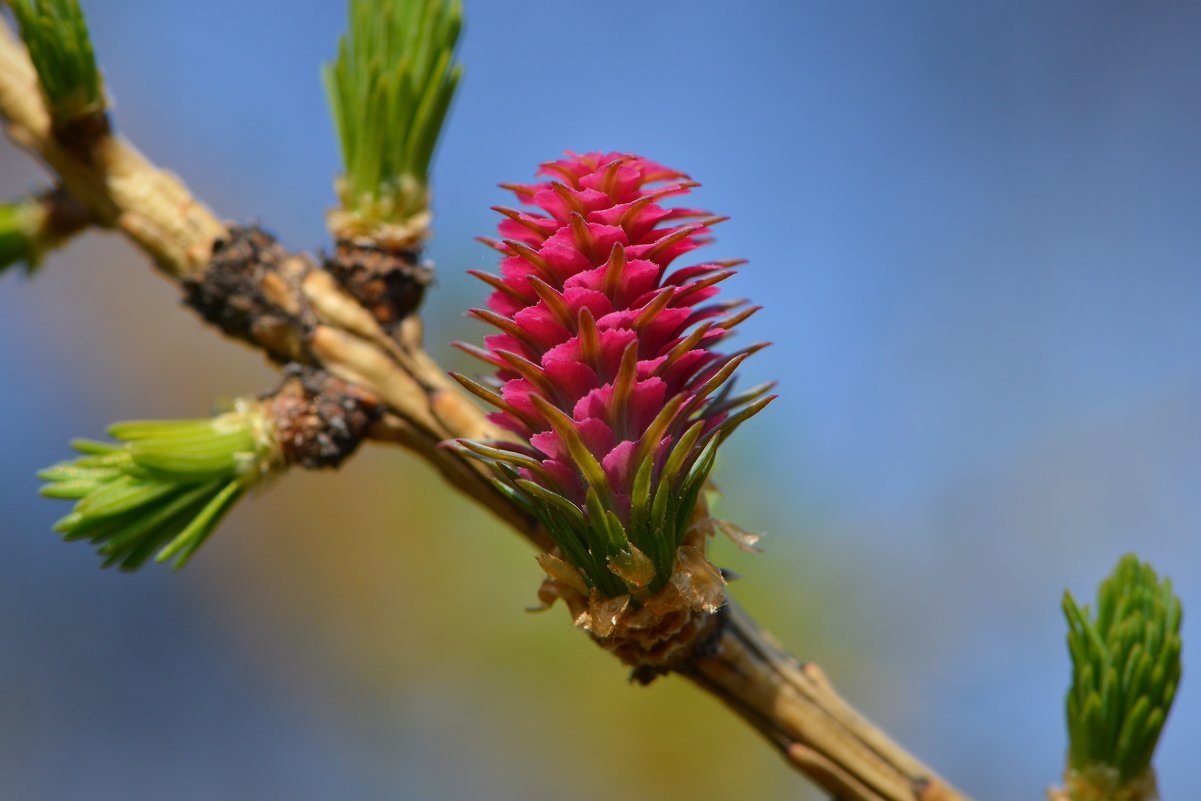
(116, 184)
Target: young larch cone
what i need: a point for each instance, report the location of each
(610, 388)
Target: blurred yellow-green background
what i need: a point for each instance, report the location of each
(975, 228)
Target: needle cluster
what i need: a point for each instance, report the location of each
(390, 89)
(1125, 670)
(164, 486)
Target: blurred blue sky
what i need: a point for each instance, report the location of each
(975, 229)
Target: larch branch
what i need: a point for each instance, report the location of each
(308, 317)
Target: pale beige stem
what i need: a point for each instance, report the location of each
(113, 181)
(797, 710)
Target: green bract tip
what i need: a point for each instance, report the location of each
(164, 487)
(1125, 670)
(389, 91)
(56, 35)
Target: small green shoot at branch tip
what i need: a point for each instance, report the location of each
(20, 225)
(56, 35)
(1125, 670)
(164, 486)
(389, 90)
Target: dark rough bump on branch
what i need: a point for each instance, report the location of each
(251, 290)
(319, 420)
(390, 283)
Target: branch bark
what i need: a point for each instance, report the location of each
(117, 185)
(795, 707)
(305, 316)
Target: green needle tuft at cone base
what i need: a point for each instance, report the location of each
(164, 486)
(389, 90)
(60, 47)
(1125, 670)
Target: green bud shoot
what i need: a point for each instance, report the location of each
(1125, 671)
(56, 35)
(164, 486)
(389, 90)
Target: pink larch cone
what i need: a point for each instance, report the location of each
(607, 377)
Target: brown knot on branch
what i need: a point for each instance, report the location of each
(389, 282)
(318, 419)
(251, 290)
